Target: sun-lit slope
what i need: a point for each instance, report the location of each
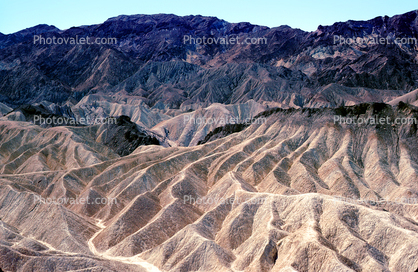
(50, 223)
(410, 98)
(98, 106)
(265, 199)
(308, 232)
(26, 148)
(300, 152)
(20, 253)
(188, 129)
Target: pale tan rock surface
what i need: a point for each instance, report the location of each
(297, 193)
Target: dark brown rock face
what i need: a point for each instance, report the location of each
(137, 62)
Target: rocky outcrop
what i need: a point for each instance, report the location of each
(124, 136)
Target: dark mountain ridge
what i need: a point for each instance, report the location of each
(57, 72)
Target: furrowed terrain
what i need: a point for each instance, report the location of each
(281, 195)
(155, 154)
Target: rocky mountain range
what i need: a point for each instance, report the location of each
(155, 154)
(151, 59)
